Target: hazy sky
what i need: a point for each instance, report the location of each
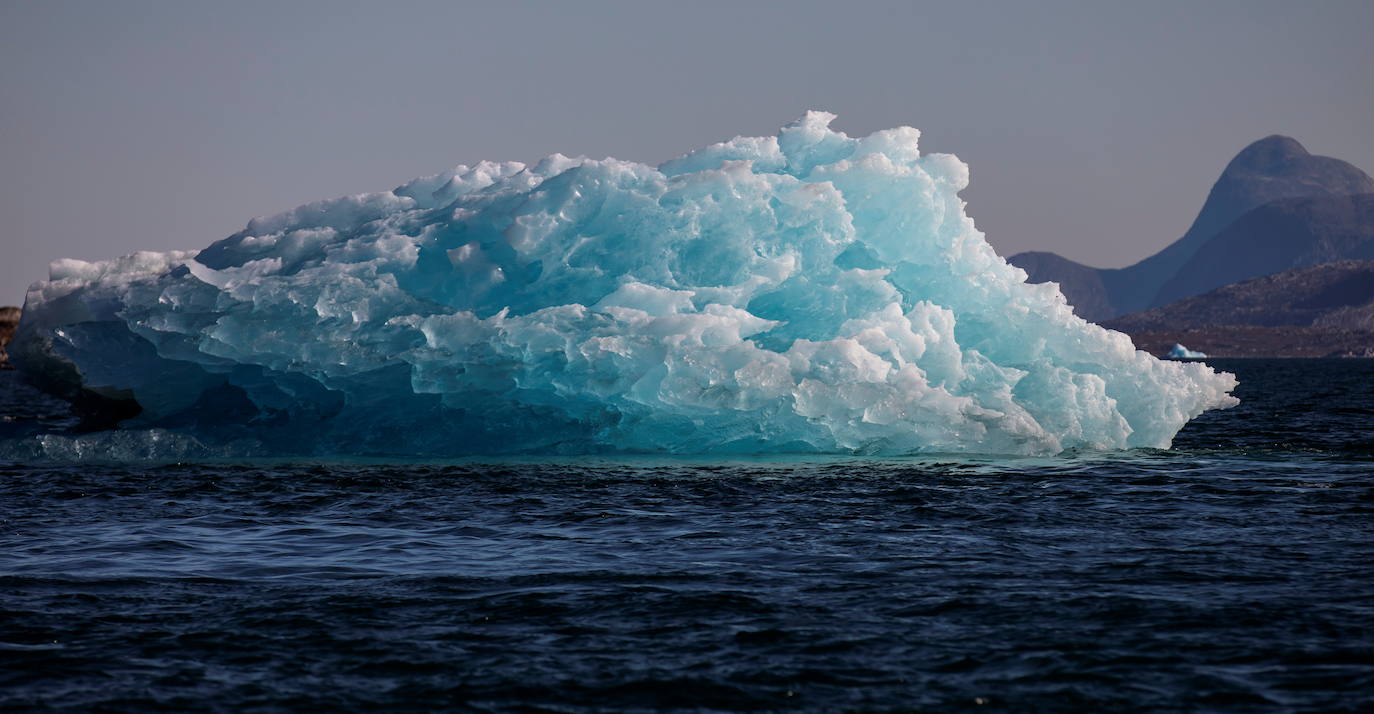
(1093, 129)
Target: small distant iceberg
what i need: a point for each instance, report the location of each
(1181, 352)
(804, 292)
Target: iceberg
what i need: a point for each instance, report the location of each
(1178, 351)
(805, 292)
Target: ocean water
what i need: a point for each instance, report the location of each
(1232, 573)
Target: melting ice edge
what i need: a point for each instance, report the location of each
(805, 292)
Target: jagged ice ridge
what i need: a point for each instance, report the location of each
(806, 292)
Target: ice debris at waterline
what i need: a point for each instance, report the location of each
(1178, 351)
(807, 292)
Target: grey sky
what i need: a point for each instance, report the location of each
(1092, 129)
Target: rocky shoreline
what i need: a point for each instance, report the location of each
(9, 320)
(1323, 310)
(1252, 341)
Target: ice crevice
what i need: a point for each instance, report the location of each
(804, 292)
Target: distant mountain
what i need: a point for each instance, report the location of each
(1278, 236)
(1316, 311)
(1080, 284)
(1339, 294)
(1272, 169)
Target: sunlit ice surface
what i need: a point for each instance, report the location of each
(807, 293)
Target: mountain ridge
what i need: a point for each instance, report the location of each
(1273, 168)
(1338, 294)
(1315, 311)
(1280, 235)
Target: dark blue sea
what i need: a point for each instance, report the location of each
(1234, 573)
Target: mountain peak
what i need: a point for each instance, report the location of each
(1272, 153)
(1275, 168)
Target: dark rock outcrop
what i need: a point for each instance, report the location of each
(9, 320)
(1339, 294)
(1317, 311)
(1272, 169)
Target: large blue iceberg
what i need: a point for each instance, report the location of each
(805, 292)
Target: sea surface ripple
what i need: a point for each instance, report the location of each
(1232, 573)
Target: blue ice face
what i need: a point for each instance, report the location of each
(807, 292)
